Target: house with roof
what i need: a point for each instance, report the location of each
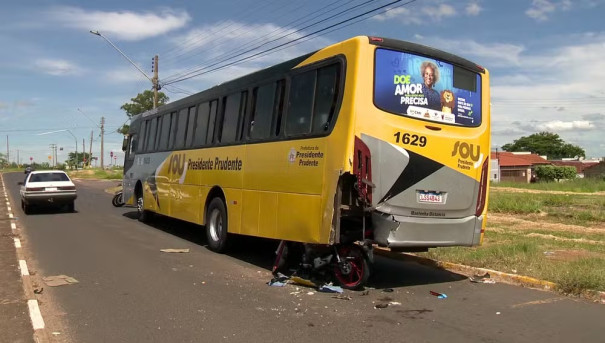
(580, 165)
(515, 166)
(595, 171)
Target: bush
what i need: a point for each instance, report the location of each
(552, 173)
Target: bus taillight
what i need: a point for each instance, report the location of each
(363, 170)
(482, 189)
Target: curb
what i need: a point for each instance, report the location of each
(512, 279)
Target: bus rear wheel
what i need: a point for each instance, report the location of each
(216, 225)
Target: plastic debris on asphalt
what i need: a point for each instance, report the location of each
(301, 281)
(175, 250)
(330, 289)
(59, 280)
(439, 295)
(485, 278)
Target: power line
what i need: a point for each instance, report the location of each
(201, 70)
(184, 74)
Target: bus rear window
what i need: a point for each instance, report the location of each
(426, 88)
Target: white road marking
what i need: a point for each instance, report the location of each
(23, 267)
(17, 243)
(13, 226)
(35, 314)
(10, 215)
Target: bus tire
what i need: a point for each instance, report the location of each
(216, 225)
(143, 215)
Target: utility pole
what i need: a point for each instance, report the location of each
(102, 133)
(154, 80)
(7, 152)
(53, 149)
(83, 153)
(90, 151)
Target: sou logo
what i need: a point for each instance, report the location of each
(466, 150)
(176, 164)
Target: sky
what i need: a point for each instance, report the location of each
(546, 59)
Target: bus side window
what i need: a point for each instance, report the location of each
(173, 127)
(231, 111)
(181, 129)
(165, 132)
(133, 145)
(300, 103)
(262, 111)
(201, 128)
(150, 135)
(326, 95)
(140, 147)
(242, 114)
(279, 107)
(191, 127)
(212, 121)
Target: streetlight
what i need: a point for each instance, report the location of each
(71, 133)
(154, 80)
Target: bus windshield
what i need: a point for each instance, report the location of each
(426, 88)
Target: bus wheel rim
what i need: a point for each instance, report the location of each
(216, 224)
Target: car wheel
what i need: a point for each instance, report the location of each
(143, 214)
(25, 207)
(71, 207)
(216, 226)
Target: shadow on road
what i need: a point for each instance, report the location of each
(386, 272)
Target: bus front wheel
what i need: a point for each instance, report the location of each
(143, 215)
(216, 225)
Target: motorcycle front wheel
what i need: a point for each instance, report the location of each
(354, 269)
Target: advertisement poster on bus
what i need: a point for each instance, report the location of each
(426, 88)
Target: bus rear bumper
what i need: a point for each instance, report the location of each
(419, 232)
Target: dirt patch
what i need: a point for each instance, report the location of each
(570, 255)
(525, 224)
(556, 238)
(523, 190)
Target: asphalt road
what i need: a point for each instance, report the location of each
(130, 291)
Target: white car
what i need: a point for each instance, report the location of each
(47, 188)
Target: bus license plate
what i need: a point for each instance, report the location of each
(431, 197)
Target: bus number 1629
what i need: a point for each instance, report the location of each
(406, 138)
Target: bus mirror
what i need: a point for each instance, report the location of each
(125, 143)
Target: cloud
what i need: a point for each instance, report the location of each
(558, 125)
(57, 67)
(473, 9)
(398, 13)
(434, 13)
(489, 55)
(200, 50)
(121, 25)
(540, 9)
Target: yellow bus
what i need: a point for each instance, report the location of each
(370, 140)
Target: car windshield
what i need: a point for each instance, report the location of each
(49, 177)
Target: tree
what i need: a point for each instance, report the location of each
(552, 173)
(545, 143)
(80, 158)
(3, 160)
(139, 104)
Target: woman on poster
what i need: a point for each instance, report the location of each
(430, 75)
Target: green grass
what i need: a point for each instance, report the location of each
(576, 209)
(97, 173)
(577, 185)
(513, 251)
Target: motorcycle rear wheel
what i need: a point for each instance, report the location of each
(354, 270)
